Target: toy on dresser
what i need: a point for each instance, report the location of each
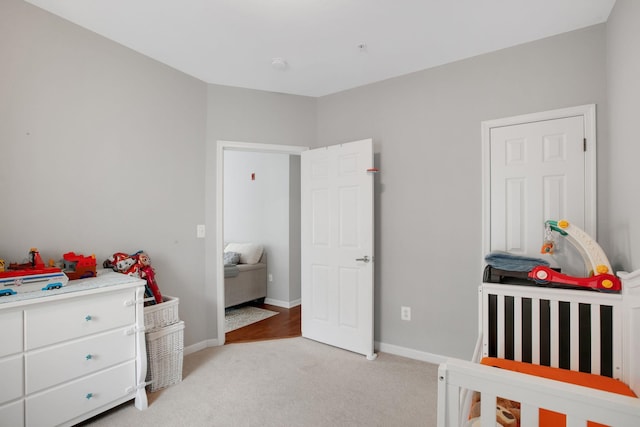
(137, 265)
(78, 266)
(31, 276)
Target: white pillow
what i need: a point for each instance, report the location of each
(250, 253)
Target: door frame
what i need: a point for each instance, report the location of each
(221, 146)
(588, 112)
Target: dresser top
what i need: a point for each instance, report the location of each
(105, 278)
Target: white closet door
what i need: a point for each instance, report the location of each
(537, 173)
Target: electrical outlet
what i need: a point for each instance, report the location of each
(405, 313)
(200, 231)
(270, 277)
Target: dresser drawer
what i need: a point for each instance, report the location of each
(54, 365)
(60, 321)
(11, 373)
(63, 403)
(12, 415)
(11, 324)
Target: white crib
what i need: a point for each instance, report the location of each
(585, 331)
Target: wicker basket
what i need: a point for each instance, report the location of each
(165, 349)
(160, 315)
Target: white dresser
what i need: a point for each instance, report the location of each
(69, 354)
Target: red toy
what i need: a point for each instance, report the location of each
(31, 276)
(79, 266)
(124, 263)
(138, 265)
(600, 277)
(150, 275)
(35, 261)
(601, 282)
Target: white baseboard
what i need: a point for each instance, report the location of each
(283, 304)
(201, 346)
(379, 346)
(409, 353)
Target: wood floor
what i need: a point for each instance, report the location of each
(284, 325)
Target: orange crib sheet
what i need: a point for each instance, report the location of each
(554, 419)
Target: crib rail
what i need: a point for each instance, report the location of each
(578, 403)
(571, 329)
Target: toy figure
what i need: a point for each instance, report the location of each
(138, 265)
(35, 261)
(150, 275)
(125, 265)
(143, 259)
(548, 246)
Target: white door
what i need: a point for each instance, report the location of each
(337, 246)
(537, 174)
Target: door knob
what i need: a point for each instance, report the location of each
(363, 259)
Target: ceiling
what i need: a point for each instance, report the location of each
(327, 45)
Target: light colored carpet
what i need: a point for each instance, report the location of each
(289, 382)
(236, 318)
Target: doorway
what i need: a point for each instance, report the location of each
(223, 146)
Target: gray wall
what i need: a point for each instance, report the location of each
(426, 132)
(104, 150)
(295, 249)
(101, 150)
(619, 202)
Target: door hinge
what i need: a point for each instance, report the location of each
(584, 144)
